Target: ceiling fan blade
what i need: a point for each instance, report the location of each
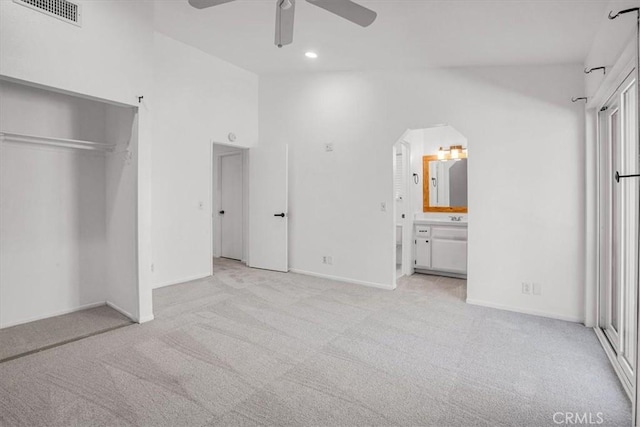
(348, 10)
(285, 12)
(203, 4)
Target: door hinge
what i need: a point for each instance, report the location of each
(604, 108)
(415, 262)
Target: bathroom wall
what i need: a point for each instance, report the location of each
(426, 142)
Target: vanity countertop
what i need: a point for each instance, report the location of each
(440, 221)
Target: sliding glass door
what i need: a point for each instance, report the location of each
(619, 219)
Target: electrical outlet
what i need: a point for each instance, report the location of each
(324, 259)
(526, 288)
(537, 289)
(328, 147)
(383, 206)
(330, 260)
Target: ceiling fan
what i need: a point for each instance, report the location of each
(285, 10)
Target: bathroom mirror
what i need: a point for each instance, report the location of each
(444, 185)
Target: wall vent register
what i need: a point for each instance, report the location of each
(62, 9)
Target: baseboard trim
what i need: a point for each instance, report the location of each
(122, 311)
(54, 314)
(342, 279)
(525, 311)
(186, 279)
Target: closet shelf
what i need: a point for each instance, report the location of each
(56, 142)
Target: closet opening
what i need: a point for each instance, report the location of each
(68, 218)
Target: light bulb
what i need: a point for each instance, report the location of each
(286, 4)
(441, 154)
(311, 55)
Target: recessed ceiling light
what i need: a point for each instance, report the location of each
(311, 55)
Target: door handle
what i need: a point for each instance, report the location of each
(221, 212)
(280, 215)
(618, 176)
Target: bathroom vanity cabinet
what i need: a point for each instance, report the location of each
(441, 248)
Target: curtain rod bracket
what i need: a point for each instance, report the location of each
(589, 70)
(582, 98)
(622, 12)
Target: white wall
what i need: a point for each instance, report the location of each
(526, 137)
(121, 226)
(198, 100)
(109, 58)
(52, 207)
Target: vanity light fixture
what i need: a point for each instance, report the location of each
(454, 152)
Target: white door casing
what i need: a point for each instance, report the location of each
(268, 201)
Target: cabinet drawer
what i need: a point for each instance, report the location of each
(450, 233)
(423, 231)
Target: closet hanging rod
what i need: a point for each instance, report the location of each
(56, 142)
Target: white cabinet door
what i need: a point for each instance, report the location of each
(423, 253)
(449, 255)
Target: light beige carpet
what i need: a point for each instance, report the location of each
(43, 334)
(250, 347)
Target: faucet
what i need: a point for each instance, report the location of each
(455, 218)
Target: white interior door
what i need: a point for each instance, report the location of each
(268, 217)
(231, 209)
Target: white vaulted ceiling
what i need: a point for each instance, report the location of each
(408, 34)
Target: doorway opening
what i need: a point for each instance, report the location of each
(229, 202)
(430, 202)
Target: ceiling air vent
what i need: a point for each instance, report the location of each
(61, 9)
